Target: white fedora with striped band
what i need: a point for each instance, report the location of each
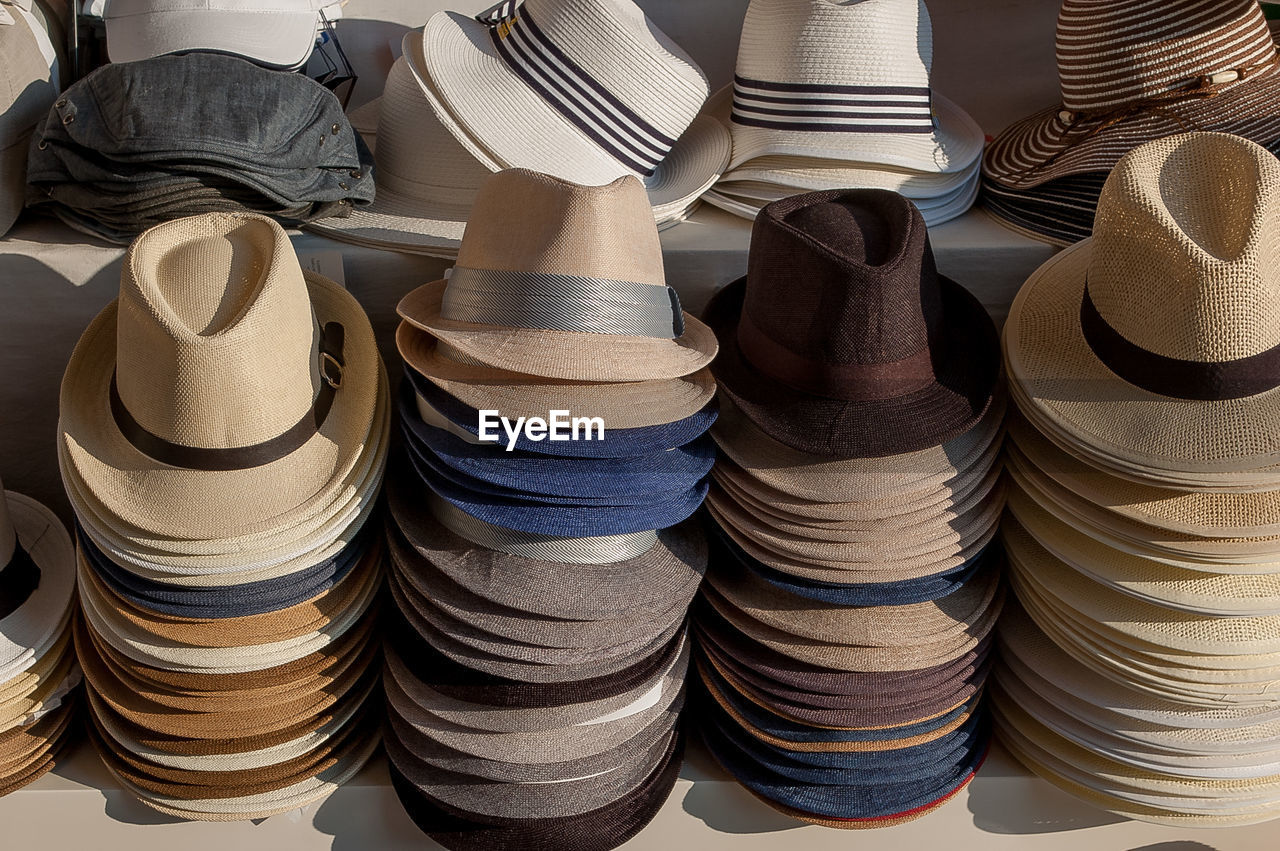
(845, 82)
(1133, 72)
(585, 90)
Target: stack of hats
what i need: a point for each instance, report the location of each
(29, 75)
(224, 429)
(129, 146)
(1123, 85)
(1141, 670)
(585, 90)
(844, 627)
(38, 671)
(834, 95)
(535, 670)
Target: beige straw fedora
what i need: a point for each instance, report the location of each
(847, 82)
(563, 281)
(203, 411)
(1136, 72)
(1152, 341)
(1178, 587)
(626, 404)
(590, 91)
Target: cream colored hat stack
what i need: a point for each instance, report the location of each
(223, 432)
(839, 95)
(1142, 668)
(38, 671)
(585, 90)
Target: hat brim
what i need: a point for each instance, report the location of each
(1064, 383)
(276, 39)
(1041, 147)
(967, 367)
(527, 132)
(569, 355)
(629, 404)
(200, 504)
(32, 628)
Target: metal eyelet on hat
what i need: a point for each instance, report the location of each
(342, 185)
(43, 144)
(1066, 116)
(357, 175)
(335, 129)
(67, 119)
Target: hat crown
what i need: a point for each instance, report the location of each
(858, 43)
(27, 86)
(625, 53)
(1112, 53)
(841, 278)
(528, 222)
(444, 183)
(216, 341)
(1186, 249)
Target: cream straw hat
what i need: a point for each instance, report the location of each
(214, 411)
(1153, 344)
(37, 582)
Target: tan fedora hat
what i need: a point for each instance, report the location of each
(1178, 587)
(226, 391)
(1152, 341)
(627, 404)
(562, 281)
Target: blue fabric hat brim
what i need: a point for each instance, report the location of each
(617, 443)
(563, 521)
(529, 473)
(229, 601)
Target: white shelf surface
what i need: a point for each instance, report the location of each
(1003, 809)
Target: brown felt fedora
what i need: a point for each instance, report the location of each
(843, 340)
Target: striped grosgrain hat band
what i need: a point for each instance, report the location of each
(831, 108)
(573, 92)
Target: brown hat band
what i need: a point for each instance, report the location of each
(1180, 379)
(217, 459)
(19, 579)
(854, 382)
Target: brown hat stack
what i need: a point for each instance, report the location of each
(844, 627)
(223, 434)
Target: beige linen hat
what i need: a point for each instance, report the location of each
(226, 391)
(1154, 343)
(28, 86)
(587, 90)
(562, 281)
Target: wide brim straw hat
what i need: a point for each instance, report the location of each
(968, 370)
(1162, 583)
(568, 355)
(1063, 385)
(631, 404)
(202, 504)
(37, 749)
(33, 627)
(469, 76)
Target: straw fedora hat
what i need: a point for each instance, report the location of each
(1133, 73)
(1151, 341)
(563, 281)
(846, 82)
(37, 582)
(843, 340)
(205, 411)
(590, 91)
